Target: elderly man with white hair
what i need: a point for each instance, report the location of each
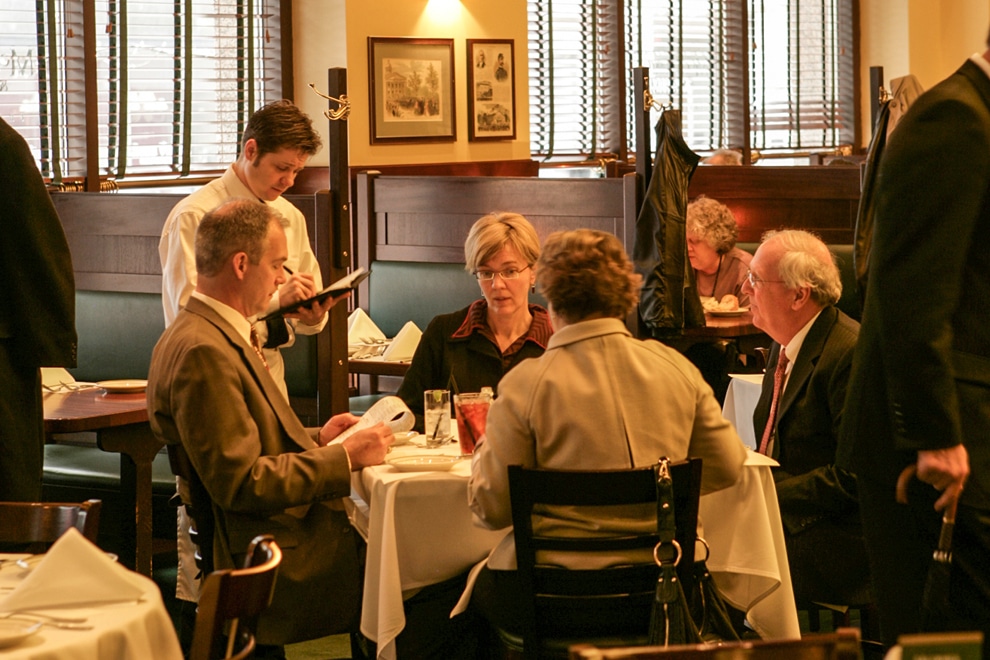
(793, 285)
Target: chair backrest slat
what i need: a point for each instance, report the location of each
(39, 524)
(240, 595)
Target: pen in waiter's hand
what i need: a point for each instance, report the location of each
(287, 269)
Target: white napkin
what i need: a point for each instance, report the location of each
(73, 573)
(55, 376)
(360, 327)
(404, 345)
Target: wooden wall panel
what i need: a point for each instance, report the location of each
(820, 199)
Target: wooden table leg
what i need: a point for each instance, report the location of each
(137, 447)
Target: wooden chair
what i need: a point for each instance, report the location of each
(37, 525)
(840, 645)
(235, 596)
(609, 606)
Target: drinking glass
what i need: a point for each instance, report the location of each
(436, 414)
(472, 417)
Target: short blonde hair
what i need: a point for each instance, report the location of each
(713, 222)
(586, 273)
(493, 232)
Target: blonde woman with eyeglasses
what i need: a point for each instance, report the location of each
(475, 346)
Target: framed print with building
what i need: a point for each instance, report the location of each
(491, 89)
(412, 90)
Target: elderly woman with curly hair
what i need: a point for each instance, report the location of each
(719, 266)
(598, 398)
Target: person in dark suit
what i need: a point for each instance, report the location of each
(919, 396)
(793, 286)
(37, 313)
(209, 390)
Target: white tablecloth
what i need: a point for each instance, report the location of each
(740, 401)
(748, 556)
(754, 536)
(139, 630)
(419, 532)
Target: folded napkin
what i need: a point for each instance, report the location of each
(404, 345)
(55, 376)
(73, 573)
(360, 328)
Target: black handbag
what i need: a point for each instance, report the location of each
(675, 619)
(670, 620)
(708, 609)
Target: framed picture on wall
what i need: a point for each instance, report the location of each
(412, 90)
(491, 89)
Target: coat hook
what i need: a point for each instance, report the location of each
(341, 112)
(649, 102)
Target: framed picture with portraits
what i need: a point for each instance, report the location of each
(491, 89)
(412, 90)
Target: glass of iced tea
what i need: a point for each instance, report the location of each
(472, 414)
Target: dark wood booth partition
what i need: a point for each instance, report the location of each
(113, 239)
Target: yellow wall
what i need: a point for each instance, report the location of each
(926, 38)
(322, 42)
(320, 31)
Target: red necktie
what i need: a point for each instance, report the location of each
(256, 345)
(778, 386)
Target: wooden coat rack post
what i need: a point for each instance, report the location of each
(333, 396)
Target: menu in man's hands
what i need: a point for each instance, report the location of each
(340, 287)
(390, 409)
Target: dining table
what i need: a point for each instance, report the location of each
(120, 422)
(736, 327)
(138, 629)
(419, 531)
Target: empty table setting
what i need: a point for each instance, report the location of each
(370, 352)
(75, 602)
(117, 412)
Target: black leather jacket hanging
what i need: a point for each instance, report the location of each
(669, 298)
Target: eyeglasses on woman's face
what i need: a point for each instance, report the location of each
(755, 281)
(507, 274)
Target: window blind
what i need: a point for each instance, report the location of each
(176, 81)
(788, 63)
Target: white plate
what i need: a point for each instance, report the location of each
(422, 463)
(123, 386)
(15, 631)
(404, 438)
(723, 312)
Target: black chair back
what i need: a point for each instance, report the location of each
(568, 605)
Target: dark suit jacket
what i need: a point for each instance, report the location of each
(37, 313)
(208, 391)
(921, 374)
(809, 486)
(37, 297)
(818, 501)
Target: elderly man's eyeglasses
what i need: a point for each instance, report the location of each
(755, 281)
(507, 274)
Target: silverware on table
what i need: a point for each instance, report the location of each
(46, 618)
